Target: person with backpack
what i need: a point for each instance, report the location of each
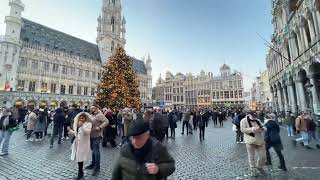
(173, 123)
(7, 125)
(143, 158)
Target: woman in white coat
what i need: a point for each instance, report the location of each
(81, 146)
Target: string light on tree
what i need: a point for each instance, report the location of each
(118, 87)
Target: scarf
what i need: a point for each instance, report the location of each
(140, 154)
(250, 125)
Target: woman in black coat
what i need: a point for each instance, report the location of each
(110, 132)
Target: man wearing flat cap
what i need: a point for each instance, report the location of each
(143, 158)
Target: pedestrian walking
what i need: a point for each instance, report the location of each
(173, 123)
(202, 124)
(81, 130)
(301, 126)
(157, 127)
(143, 158)
(67, 123)
(272, 139)
(32, 119)
(289, 121)
(253, 136)
(110, 132)
(99, 122)
(185, 121)
(41, 124)
(221, 118)
(312, 127)
(215, 117)
(7, 125)
(165, 123)
(58, 123)
(236, 121)
(127, 120)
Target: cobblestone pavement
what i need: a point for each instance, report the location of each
(218, 157)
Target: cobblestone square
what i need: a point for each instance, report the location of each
(218, 157)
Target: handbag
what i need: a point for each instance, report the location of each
(234, 128)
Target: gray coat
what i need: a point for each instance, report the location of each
(41, 124)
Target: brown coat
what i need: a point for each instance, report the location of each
(301, 124)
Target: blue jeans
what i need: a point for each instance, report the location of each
(290, 130)
(304, 138)
(56, 131)
(312, 135)
(95, 148)
(5, 137)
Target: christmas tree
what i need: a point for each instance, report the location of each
(118, 87)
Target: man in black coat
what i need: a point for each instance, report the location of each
(58, 123)
(273, 139)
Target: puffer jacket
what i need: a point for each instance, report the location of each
(128, 168)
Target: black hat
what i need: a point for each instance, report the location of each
(253, 113)
(138, 127)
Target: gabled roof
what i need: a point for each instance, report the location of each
(40, 35)
(43, 36)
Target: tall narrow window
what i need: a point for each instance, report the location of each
(53, 88)
(20, 85)
(85, 91)
(79, 89)
(32, 86)
(112, 24)
(44, 87)
(70, 89)
(62, 89)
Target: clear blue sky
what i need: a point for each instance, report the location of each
(180, 35)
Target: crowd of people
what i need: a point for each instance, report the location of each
(260, 131)
(140, 134)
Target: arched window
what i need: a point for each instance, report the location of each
(112, 46)
(112, 24)
(114, 2)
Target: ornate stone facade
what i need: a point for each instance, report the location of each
(42, 66)
(204, 90)
(293, 60)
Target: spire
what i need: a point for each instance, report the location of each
(111, 28)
